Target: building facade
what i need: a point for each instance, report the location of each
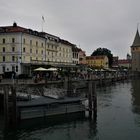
(75, 54)
(124, 63)
(22, 48)
(82, 57)
(97, 61)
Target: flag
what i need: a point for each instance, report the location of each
(43, 19)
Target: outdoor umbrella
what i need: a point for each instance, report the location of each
(40, 69)
(52, 69)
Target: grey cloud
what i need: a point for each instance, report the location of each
(88, 23)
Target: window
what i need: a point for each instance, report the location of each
(3, 41)
(3, 49)
(42, 52)
(13, 68)
(13, 58)
(23, 49)
(16, 68)
(3, 68)
(36, 43)
(30, 42)
(42, 44)
(36, 51)
(30, 50)
(13, 40)
(13, 49)
(3, 58)
(24, 40)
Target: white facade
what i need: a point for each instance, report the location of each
(20, 48)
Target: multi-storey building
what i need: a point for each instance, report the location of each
(65, 52)
(18, 47)
(124, 63)
(135, 50)
(97, 61)
(82, 57)
(22, 48)
(75, 54)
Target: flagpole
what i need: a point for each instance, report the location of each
(43, 20)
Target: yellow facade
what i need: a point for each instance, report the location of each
(65, 52)
(33, 48)
(97, 61)
(17, 48)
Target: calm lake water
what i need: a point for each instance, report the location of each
(118, 118)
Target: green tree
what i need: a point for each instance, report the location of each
(104, 51)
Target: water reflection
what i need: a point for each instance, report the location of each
(63, 128)
(71, 130)
(135, 91)
(118, 118)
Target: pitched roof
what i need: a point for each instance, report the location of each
(136, 42)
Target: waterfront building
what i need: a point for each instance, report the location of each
(135, 51)
(65, 52)
(124, 63)
(121, 63)
(82, 57)
(18, 47)
(22, 50)
(75, 54)
(115, 62)
(97, 61)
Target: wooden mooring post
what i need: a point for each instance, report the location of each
(67, 86)
(10, 108)
(14, 106)
(92, 98)
(6, 107)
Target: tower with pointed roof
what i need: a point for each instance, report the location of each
(135, 51)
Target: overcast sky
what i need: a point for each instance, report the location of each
(89, 24)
